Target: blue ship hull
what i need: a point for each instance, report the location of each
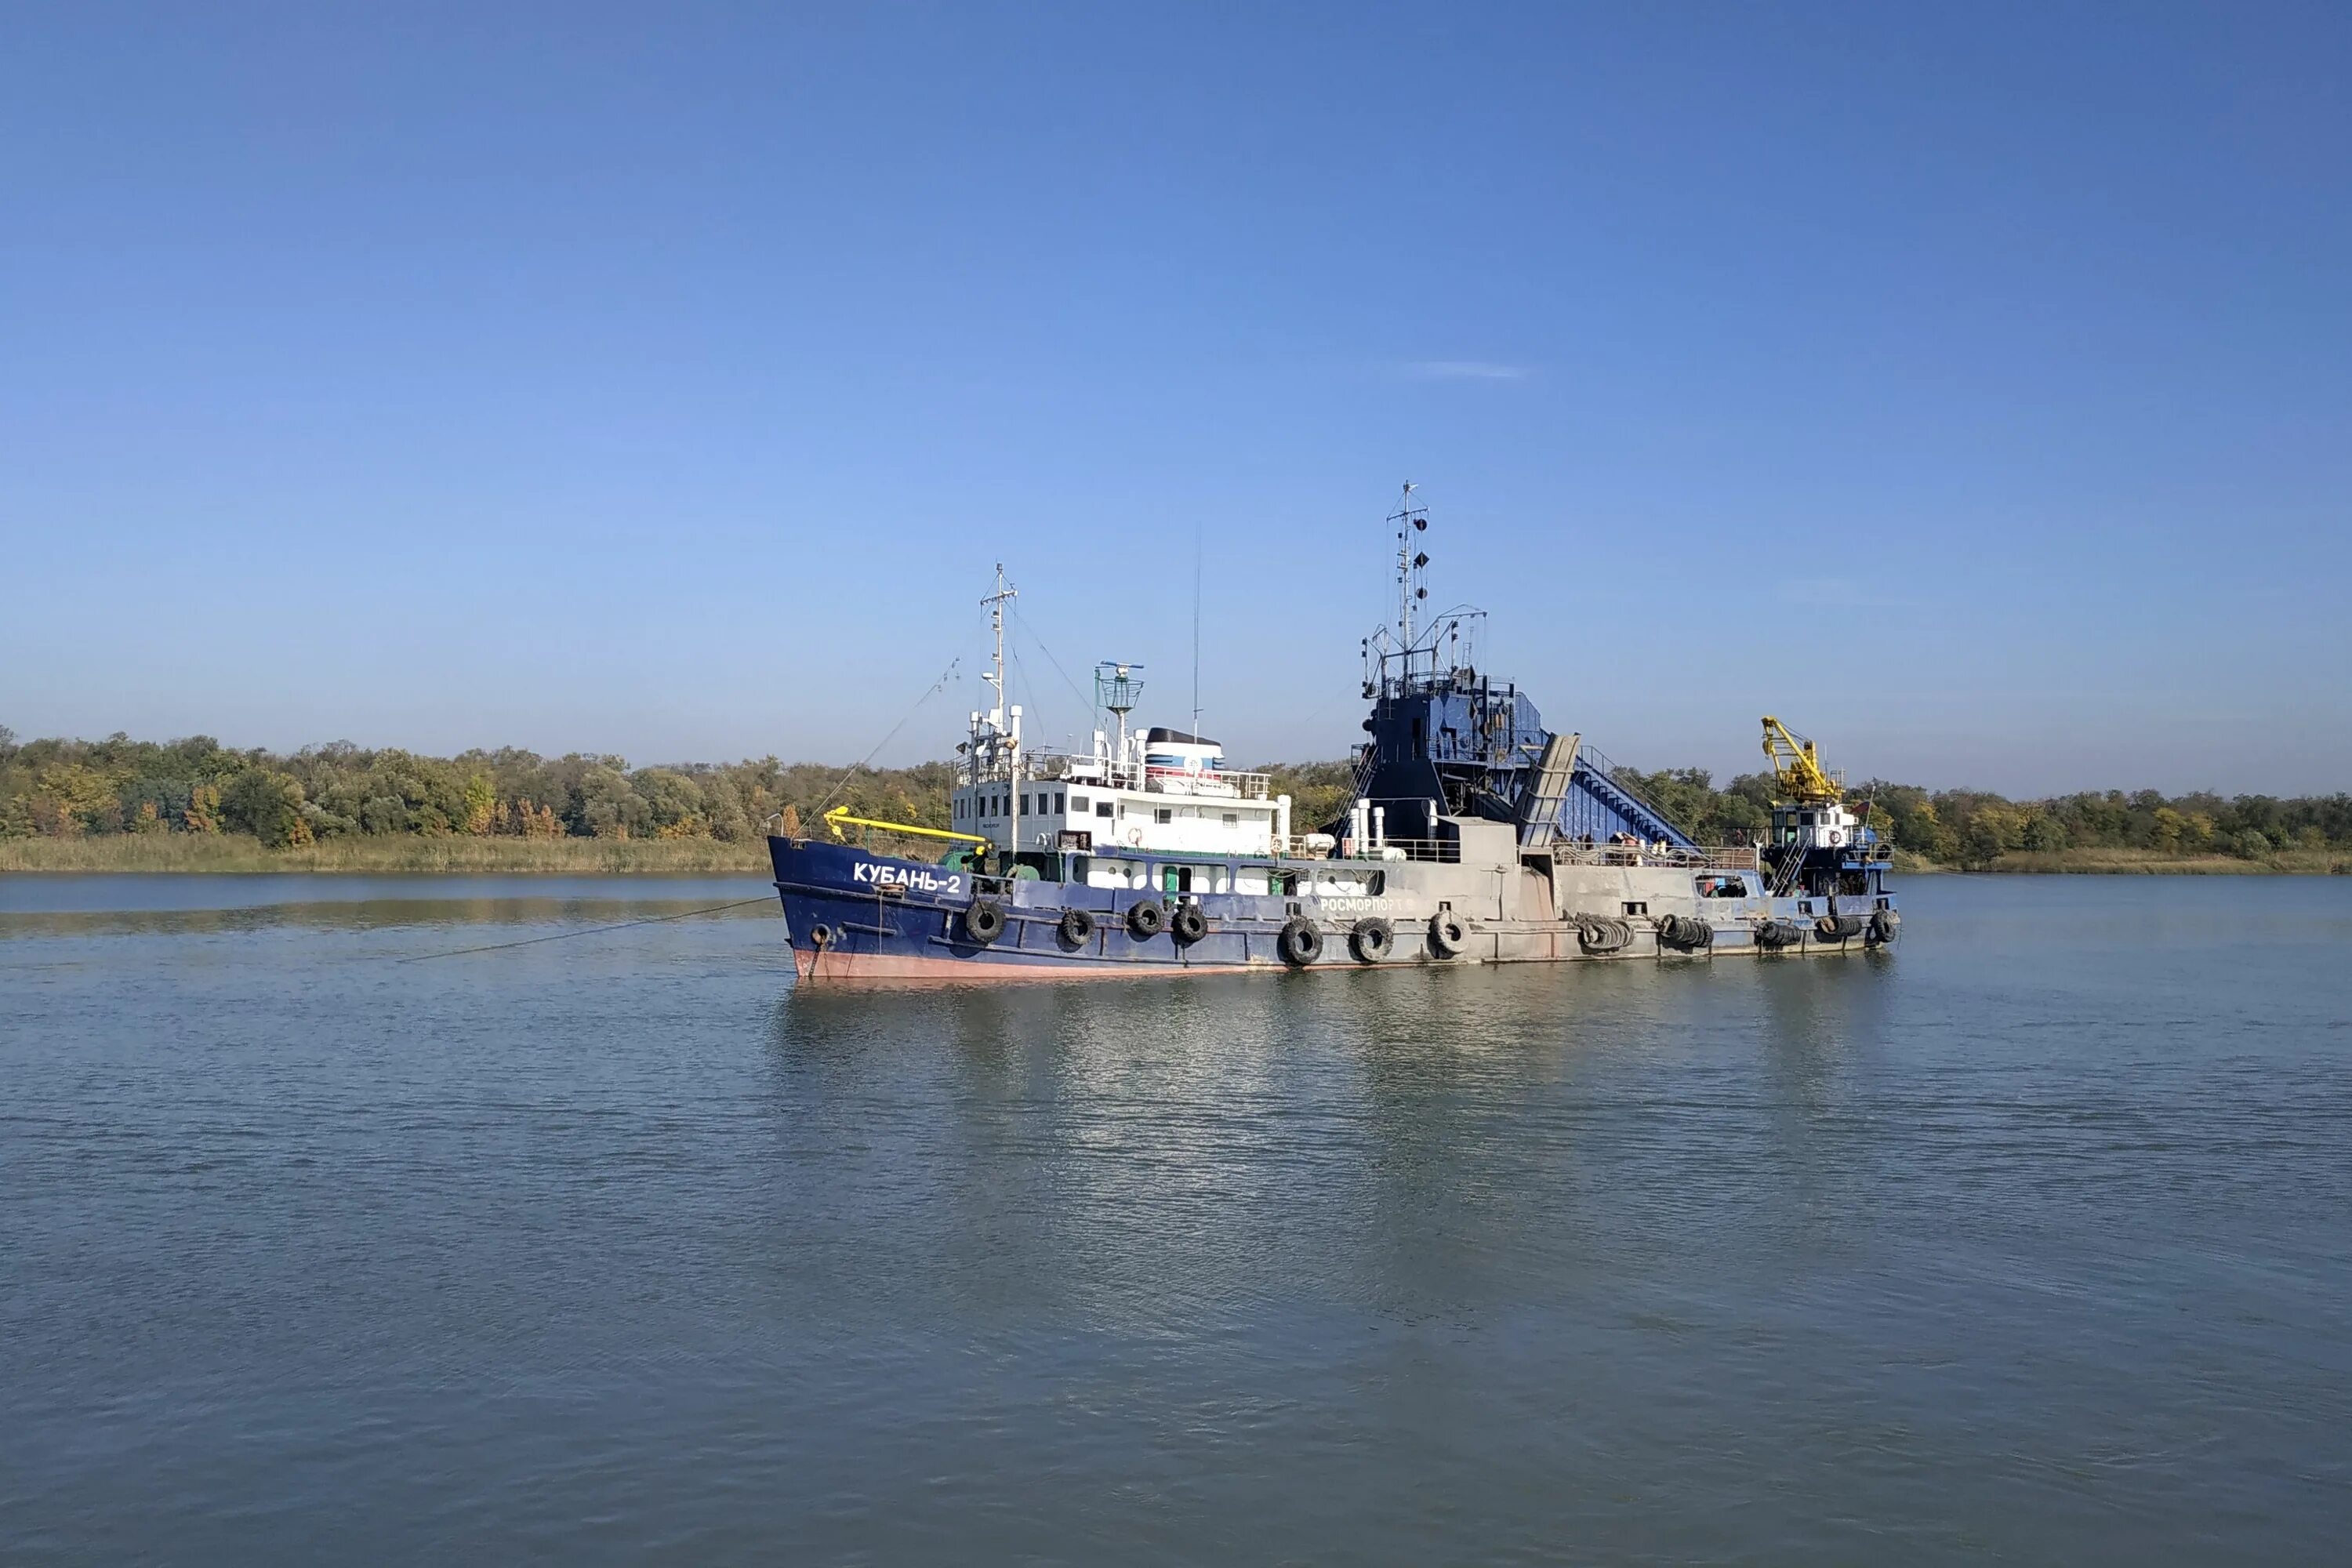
(851, 914)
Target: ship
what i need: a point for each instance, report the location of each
(1475, 835)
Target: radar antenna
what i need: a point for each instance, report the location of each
(1117, 690)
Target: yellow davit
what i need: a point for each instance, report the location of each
(839, 818)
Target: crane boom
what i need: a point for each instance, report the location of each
(1797, 767)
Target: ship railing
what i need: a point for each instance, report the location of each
(1104, 774)
(1217, 785)
(1167, 780)
(1053, 767)
(1310, 846)
(1704, 858)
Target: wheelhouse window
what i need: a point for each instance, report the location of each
(1164, 814)
(1078, 804)
(1102, 808)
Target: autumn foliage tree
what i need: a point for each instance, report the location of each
(77, 788)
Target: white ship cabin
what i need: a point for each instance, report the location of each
(1151, 810)
(1815, 826)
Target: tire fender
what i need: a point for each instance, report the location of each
(1447, 935)
(983, 920)
(1299, 944)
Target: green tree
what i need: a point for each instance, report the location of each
(1990, 831)
(266, 804)
(481, 801)
(1921, 829)
(2045, 833)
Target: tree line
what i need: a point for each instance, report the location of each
(77, 788)
(1972, 828)
(65, 788)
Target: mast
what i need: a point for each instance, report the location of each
(1003, 718)
(1410, 520)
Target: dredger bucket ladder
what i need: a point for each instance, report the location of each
(1546, 791)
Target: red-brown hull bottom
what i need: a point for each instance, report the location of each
(837, 965)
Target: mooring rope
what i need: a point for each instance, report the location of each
(593, 930)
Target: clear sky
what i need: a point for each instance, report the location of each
(1972, 390)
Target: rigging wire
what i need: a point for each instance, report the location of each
(1196, 628)
(1012, 652)
(593, 930)
(1085, 701)
(854, 768)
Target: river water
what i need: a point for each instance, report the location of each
(2031, 1241)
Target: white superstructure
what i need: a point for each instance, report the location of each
(1162, 790)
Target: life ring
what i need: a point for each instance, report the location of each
(1447, 935)
(983, 920)
(1135, 837)
(1076, 928)
(1835, 837)
(1371, 939)
(1146, 918)
(1299, 944)
(1187, 924)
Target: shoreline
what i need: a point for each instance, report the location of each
(230, 854)
(233, 855)
(2144, 863)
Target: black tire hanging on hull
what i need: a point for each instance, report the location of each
(1187, 924)
(1146, 918)
(1685, 933)
(1447, 935)
(983, 920)
(1371, 939)
(1076, 928)
(1299, 944)
(1601, 935)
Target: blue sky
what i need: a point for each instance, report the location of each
(1973, 391)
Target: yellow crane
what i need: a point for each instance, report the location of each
(1797, 767)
